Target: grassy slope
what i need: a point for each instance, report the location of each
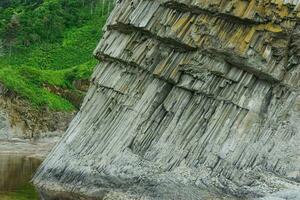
(55, 64)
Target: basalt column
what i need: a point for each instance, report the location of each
(189, 95)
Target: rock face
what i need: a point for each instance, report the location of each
(20, 120)
(190, 95)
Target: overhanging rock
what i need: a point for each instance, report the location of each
(189, 95)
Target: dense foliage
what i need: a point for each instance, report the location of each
(48, 42)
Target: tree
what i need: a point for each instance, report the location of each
(1, 49)
(11, 33)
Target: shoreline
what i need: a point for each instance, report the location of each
(38, 149)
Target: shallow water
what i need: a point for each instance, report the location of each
(16, 172)
(15, 175)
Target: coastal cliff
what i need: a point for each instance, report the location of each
(190, 96)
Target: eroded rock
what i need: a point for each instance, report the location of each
(20, 120)
(190, 96)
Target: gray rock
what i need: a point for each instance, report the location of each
(5, 130)
(283, 195)
(192, 100)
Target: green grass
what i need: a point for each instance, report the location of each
(28, 70)
(37, 96)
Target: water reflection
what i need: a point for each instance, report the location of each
(15, 174)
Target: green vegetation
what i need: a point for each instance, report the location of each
(48, 43)
(26, 192)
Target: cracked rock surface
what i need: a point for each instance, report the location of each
(193, 99)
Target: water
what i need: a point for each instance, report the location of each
(16, 172)
(15, 175)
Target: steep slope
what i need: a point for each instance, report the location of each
(44, 65)
(43, 54)
(190, 95)
(20, 120)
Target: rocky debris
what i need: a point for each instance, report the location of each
(288, 194)
(191, 96)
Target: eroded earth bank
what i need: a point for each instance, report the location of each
(28, 130)
(193, 99)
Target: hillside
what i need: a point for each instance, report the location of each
(46, 49)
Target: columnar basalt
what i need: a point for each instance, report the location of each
(189, 95)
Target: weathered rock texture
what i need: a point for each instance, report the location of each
(20, 120)
(189, 95)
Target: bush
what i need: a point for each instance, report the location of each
(48, 48)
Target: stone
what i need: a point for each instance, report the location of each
(191, 97)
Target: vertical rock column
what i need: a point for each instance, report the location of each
(188, 95)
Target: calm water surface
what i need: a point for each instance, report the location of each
(15, 175)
